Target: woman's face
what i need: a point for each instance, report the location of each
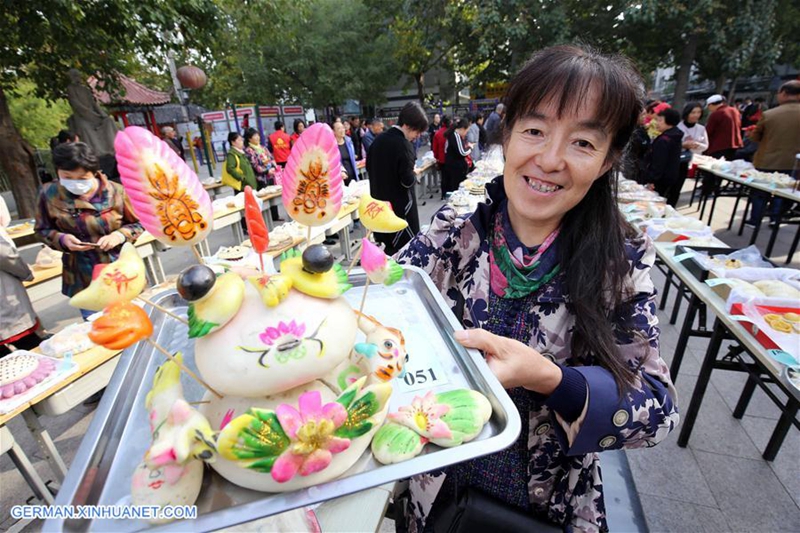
(462, 132)
(338, 130)
(76, 174)
(552, 162)
(346, 127)
(301, 127)
(695, 115)
(239, 142)
(255, 139)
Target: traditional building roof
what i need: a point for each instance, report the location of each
(133, 94)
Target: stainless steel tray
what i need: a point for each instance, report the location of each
(118, 436)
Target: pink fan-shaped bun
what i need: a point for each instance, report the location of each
(165, 193)
(312, 179)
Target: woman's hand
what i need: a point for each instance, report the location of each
(111, 241)
(73, 244)
(514, 364)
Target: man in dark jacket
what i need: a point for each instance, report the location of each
(663, 168)
(355, 135)
(390, 166)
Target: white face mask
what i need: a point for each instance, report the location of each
(77, 187)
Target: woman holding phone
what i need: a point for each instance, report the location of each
(84, 215)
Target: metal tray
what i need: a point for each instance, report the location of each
(118, 436)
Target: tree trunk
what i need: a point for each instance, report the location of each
(419, 77)
(683, 70)
(719, 84)
(18, 163)
(732, 89)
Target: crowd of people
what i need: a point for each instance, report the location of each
(661, 148)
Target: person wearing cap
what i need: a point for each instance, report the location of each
(778, 138)
(723, 127)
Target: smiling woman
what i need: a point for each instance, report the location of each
(556, 289)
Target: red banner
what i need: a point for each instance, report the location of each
(292, 110)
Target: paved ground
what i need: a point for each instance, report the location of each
(718, 483)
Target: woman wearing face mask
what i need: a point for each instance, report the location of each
(554, 287)
(456, 151)
(84, 215)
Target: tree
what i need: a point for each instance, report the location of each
(504, 33)
(425, 33)
(43, 39)
(740, 42)
(37, 119)
(318, 52)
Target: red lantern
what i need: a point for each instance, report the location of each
(191, 77)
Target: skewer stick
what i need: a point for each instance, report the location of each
(163, 310)
(308, 236)
(182, 367)
(197, 254)
(358, 253)
(364, 298)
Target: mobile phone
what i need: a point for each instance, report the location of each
(92, 244)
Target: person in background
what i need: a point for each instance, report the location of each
(723, 128)
(18, 321)
(778, 137)
(457, 150)
(747, 102)
(237, 165)
(198, 148)
(262, 164)
(482, 136)
(174, 142)
(390, 167)
(695, 138)
(347, 128)
(439, 141)
(84, 215)
(474, 136)
(355, 135)
(635, 161)
(259, 157)
(737, 103)
(347, 152)
(663, 165)
(554, 287)
(652, 128)
(299, 126)
(64, 136)
(433, 127)
(280, 144)
(494, 123)
(375, 129)
(752, 113)
(362, 131)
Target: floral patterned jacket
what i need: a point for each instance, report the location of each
(61, 212)
(563, 475)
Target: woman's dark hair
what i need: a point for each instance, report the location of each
(278, 125)
(297, 123)
(232, 136)
(671, 116)
(248, 134)
(458, 123)
(66, 136)
(413, 116)
(592, 250)
(688, 108)
(71, 156)
(651, 105)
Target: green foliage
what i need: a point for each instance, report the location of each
(42, 40)
(317, 52)
(740, 40)
(37, 119)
